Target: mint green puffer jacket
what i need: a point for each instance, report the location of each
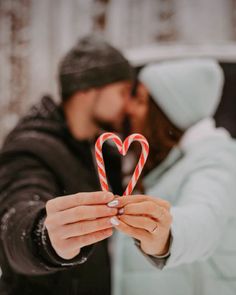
(199, 179)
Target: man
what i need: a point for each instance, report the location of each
(49, 221)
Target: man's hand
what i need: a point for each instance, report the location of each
(78, 220)
(146, 219)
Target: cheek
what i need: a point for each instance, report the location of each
(138, 118)
(140, 112)
(117, 104)
(109, 107)
(144, 113)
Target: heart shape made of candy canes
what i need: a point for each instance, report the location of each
(123, 149)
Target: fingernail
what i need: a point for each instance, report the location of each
(113, 203)
(121, 211)
(114, 221)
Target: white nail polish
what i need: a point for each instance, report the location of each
(121, 211)
(114, 221)
(113, 203)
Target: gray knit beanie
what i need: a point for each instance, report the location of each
(187, 90)
(91, 63)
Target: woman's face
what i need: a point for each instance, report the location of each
(137, 109)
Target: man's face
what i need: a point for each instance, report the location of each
(110, 103)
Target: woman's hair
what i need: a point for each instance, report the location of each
(160, 132)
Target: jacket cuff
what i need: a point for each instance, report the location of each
(158, 261)
(47, 252)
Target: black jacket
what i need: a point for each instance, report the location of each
(41, 160)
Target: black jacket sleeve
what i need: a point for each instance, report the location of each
(25, 186)
(159, 261)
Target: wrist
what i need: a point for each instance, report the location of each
(159, 246)
(166, 247)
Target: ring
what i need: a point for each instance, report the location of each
(154, 228)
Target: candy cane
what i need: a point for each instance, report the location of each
(123, 149)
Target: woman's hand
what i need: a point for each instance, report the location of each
(146, 219)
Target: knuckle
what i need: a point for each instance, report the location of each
(55, 221)
(49, 206)
(106, 196)
(150, 227)
(124, 218)
(59, 244)
(67, 255)
(63, 233)
(167, 217)
(130, 231)
(78, 198)
(81, 228)
(96, 210)
(103, 210)
(47, 221)
(128, 207)
(82, 241)
(149, 206)
(97, 224)
(50, 222)
(102, 234)
(107, 232)
(54, 241)
(163, 210)
(168, 206)
(79, 212)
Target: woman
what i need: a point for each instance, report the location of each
(186, 220)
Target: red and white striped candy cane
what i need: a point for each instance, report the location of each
(123, 149)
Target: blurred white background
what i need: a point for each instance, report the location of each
(34, 34)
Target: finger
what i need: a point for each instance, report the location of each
(120, 202)
(89, 239)
(141, 222)
(162, 203)
(131, 231)
(146, 208)
(84, 227)
(70, 201)
(78, 214)
(72, 245)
